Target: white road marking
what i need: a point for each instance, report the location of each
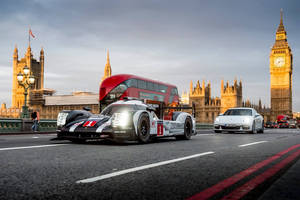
(31, 147)
(126, 171)
(35, 137)
(244, 145)
(205, 134)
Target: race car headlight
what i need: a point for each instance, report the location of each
(217, 120)
(61, 119)
(121, 119)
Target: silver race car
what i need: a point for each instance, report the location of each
(125, 120)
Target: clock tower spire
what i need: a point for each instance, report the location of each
(281, 69)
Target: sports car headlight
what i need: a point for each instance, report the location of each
(121, 119)
(247, 120)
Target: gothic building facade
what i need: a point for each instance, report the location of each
(208, 108)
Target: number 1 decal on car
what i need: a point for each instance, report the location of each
(160, 128)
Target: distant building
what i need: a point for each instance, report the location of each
(208, 108)
(281, 69)
(76, 101)
(107, 68)
(36, 69)
(184, 99)
(43, 99)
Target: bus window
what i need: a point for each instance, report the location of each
(155, 87)
(117, 91)
(163, 88)
(142, 84)
(174, 91)
(150, 86)
(131, 83)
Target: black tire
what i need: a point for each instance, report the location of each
(188, 130)
(253, 131)
(216, 131)
(143, 129)
(262, 128)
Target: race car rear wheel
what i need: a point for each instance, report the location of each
(188, 130)
(143, 129)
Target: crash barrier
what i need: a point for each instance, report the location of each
(204, 126)
(17, 125)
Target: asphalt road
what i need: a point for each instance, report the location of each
(209, 166)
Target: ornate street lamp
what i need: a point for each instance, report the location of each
(25, 80)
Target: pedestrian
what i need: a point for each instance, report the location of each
(35, 116)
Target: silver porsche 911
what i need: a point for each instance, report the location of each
(239, 120)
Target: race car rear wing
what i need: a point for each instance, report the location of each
(159, 107)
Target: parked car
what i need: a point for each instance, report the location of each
(269, 124)
(239, 120)
(275, 125)
(292, 123)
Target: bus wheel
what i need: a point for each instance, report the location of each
(188, 127)
(143, 128)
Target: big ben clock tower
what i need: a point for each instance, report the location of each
(281, 69)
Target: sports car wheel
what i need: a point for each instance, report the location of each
(143, 128)
(262, 128)
(253, 131)
(188, 126)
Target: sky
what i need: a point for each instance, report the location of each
(172, 41)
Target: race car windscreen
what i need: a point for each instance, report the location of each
(243, 112)
(117, 108)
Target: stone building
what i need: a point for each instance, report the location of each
(231, 96)
(281, 69)
(49, 105)
(208, 108)
(107, 68)
(36, 69)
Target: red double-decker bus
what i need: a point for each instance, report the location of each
(126, 85)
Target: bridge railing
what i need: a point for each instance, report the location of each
(204, 126)
(15, 125)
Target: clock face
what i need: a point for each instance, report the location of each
(279, 61)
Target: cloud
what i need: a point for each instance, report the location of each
(171, 41)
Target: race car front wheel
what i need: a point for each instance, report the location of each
(143, 128)
(188, 126)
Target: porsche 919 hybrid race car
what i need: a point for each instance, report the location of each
(124, 120)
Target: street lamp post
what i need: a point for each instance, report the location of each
(25, 80)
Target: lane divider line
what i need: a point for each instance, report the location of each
(126, 171)
(253, 183)
(205, 134)
(31, 147)
(209, 192)
(253, 143)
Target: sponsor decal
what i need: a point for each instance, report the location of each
(160, 128)
(89, 123)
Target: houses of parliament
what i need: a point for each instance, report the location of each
(207, 108)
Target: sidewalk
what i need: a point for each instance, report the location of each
(286, 187)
